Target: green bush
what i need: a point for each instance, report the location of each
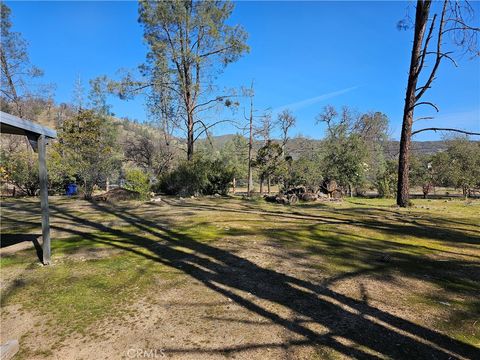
(197, 177)
(21, 169)
(137, 180)
(386, 179)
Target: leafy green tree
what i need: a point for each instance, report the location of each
(421, 173)
(372, 127)
(344, 161)
(441, 169)
(458, 167)
(464, 169)
(60, 173)
(88, 143)
(235, 155)
(270, 163)
(219, 176)
(305, 171)
(344, 153)
(187, 40)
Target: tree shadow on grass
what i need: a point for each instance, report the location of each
(372, 330)
(371, 333)
(370, 218)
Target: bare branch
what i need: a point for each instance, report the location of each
(215, 51)
(422, 87)
(445, 55)
(425, 47)
(424, 118)
(439, 57)
(463, 26)
(445, 129)
(217, 99)
(206, 127)
(425, 103)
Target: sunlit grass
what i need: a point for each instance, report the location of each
(105, 256)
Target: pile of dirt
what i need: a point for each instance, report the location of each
(118, 194)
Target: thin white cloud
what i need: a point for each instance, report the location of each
(310, 101)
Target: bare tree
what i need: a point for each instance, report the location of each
(286, 120)
(263, 130)
(428, 42)
(328, 116)
(144, 150)
(78, 94)
(251, 94)
(265, 127)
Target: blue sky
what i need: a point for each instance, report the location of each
(303, 55)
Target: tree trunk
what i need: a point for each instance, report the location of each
(268, 184)
(421, 18)
(403, 162)
(261, 185)
(189, 106)
(10, 84)
(190, 137)
(250, 147)
(87, 190)
(234, 185)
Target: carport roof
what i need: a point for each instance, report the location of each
(11, 124)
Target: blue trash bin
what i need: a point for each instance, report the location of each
(71, 189)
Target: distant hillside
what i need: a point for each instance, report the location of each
(419, 147)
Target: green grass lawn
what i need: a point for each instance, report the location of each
(359, 278)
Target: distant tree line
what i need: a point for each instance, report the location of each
(95, 149)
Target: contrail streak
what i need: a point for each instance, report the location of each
(307, 102)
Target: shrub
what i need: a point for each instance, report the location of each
(138, 181)
(219, 177)
(197, 177)
(20, 168)
(386, 179)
